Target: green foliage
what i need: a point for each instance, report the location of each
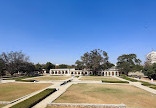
(62, 66)
(115, 81)
(94, 60)
(150, 71)
(2, 67)
(148, 84)
(30, 102)
(38, 67)
(128, 63)
(48, 66)
(127, 78)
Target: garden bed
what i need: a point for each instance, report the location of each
(30, 102)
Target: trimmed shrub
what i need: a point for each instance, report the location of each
(30, 102)
(127, 78)
(26, 80)
(115, 81)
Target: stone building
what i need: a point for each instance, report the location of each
(151, 57)
(69, 72)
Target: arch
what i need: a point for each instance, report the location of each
(109, 73)
(106, 73)
(72, 73)
(55, 72)
(112, 73)
(78, 72)
(52, 72)
(62, 72)
(116, 73)
(59, 72)
(86, 73)
(66, 72)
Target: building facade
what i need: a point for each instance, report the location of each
(151, 57)
(72, 72)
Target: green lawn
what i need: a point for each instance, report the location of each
(12, 91)
(98, 78)
(132, 96)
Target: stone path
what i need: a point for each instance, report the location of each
(138, 84)
(144, 80)
(63, 88)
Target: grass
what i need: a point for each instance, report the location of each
(153, 86)
(132, 96)
(66, 107)
(127, 78)
(99, 78)
(20, 78)
(12, 91)
(115, 81)
(50, 78)
(2, 105)
(30, 102)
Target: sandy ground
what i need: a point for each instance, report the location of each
(12, 91)
(50, 78)
(98, 78)
(132, 96)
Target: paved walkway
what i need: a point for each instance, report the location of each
(63, 88)
(138, 84)
(55, 95)
(144, 80)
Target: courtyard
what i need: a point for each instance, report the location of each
(51, 78)
(99, 78)
(131, 96)
(12, 91)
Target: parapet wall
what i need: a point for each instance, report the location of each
(83, 105)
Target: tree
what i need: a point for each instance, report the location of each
(128, 62)
(150, 71)
(2, 67)
(94, 61)
(13, 61)
(49, 66)
(28, 68)
(38, 67)
(61, 66)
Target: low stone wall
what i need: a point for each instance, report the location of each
(83, 105)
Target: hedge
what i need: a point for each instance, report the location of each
(148, 84)
(127, 78)
(30, 102)
(115, 81)
(25, 80)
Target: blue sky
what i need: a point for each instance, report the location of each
(60, 31)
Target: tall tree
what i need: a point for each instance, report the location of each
(13, 61)
(128, 62)
(49, 66)
(2, 67)
(38, 67)
(61, 66)
(94, 61)
(150, 71)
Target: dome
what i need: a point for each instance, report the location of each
(151, 57)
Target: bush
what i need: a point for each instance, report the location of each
(30, 102)
(76, 76)
(127, 78)
(65, 82)
(26, 80)
(148, 84)
(115, 81)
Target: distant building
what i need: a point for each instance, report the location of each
(151, 57)
(109, 72)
